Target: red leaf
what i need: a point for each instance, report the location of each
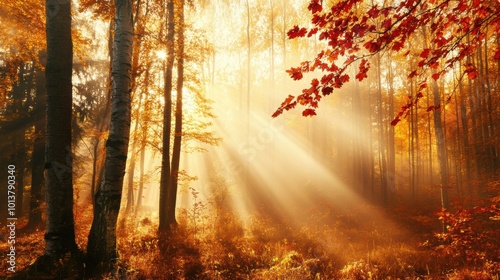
(436, 76)
(296, 32)
(315, 82)
(312, 32)
(395, 121)
(295, 73)
(372, 46)
(374, 12)
(344, 78)
(386, 24)
(287, 100)
(399, 45)
(309, 112)
(472, 74)
(471, 71)
(315, 7)
(290, 106)
(497, 54)
(361, 76)
(413, 74)
(441, 41)
(425, 53)
(462, 6)
(422, 86)
(327, 90)
(277, 113)
(326, 78)
(430, 108)
(303, 99)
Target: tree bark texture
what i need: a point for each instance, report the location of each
(101, 248)
(60, 233)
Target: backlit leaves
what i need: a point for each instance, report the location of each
(309, 113)
(355, 31)
(295, 73)
(296, 32)
(315, 7)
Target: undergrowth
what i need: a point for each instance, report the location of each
(212, 243)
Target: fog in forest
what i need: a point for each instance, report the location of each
(280, 164)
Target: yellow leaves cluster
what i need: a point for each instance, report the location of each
(23, 29)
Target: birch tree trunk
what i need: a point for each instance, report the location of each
(101, 249)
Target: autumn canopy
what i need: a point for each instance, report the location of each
(354, 31)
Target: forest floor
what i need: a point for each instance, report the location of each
(365, 242)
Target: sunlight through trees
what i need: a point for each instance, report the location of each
(279, 139)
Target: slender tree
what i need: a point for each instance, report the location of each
(139, 25)
(167, 118)
(101, 249)
(37, 157)
(20, 96)
(99, 149)
(391, 146)
(176, 149)
(146, 119)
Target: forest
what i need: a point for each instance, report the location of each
(246, 139)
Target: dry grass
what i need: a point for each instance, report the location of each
(329, 246)
(332, 244)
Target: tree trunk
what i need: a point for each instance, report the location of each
(411, 142)
(391, 180)
(465, 137)
(101, 249)
(20, 145)
(441, 148)
(131, 167)
(488, 110)
(138, 205)
(382, 149)
(60, 232)
(176, 152)
(144, 135)
(99, 149)
(130, 182)
(37, 157)
(167, 119)
(20, 106)
(357, 148)
(430, 179)
(135, 74)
